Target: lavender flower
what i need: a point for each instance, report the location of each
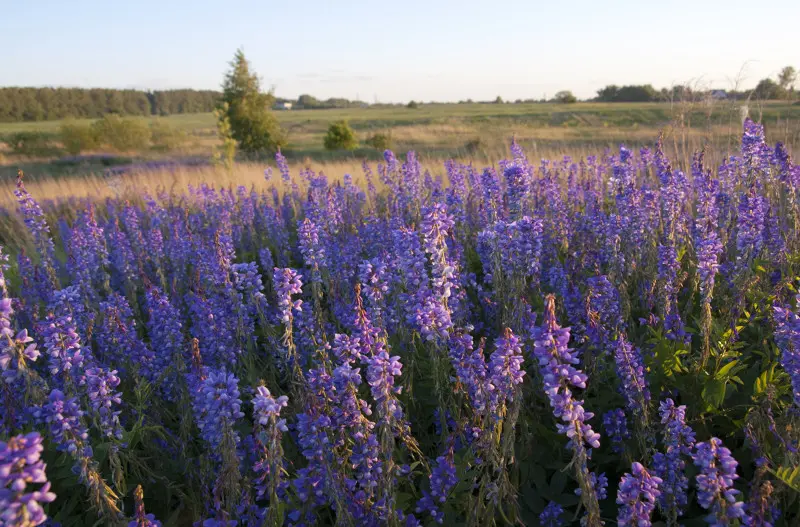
(787, 337)
(21, 466)
(637, 494)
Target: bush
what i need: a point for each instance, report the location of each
(123, 135)
(340, 137)
(475, 146)
(32, 144)
(412, 105)
(165, 137)
(379, 141)
(565, 97)
(77, 137)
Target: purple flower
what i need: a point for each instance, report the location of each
(551, 515)
(20, 467)
(637, 494)
(442, 479)
(63, 417)
(633, 383)
(217, 407)
(505, 371)
(100, 385)
(556, 365)
(670, 465)
(787, 337)
(616, 426)
(287, 283)
(715, 490)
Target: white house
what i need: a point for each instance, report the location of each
(283, 105)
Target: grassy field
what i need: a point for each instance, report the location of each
(483, 131)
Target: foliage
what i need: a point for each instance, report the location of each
(248, 109)
(31, 144)
(165, 137)
(379, 141)
(36, 104)
(224, 154)
(475, 146)
(565, 97)
(633, 93)
(121, 134)
(77, 137)
(340, 137)
(768, 90)
(412, 105)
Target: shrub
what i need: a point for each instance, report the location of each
(379, 141)
(475, 146)
(165, 137)
(412, 105)
(32, 144)
(123, 135)
(77, 137)
(565, 97)
(340, 137)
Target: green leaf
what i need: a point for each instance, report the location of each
(714, 393)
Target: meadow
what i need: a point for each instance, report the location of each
(610, 337)
(483, 131)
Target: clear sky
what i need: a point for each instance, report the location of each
(410, 49)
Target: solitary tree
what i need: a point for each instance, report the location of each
(248, 109)
(786, 79)
(565, 97)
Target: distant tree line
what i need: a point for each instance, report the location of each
(44, 104)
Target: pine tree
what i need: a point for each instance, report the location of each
(248, 109)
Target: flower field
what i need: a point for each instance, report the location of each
(603, 341)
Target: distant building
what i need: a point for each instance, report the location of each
(283, 105)
(719, 94)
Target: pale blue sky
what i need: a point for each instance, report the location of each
(411, 49)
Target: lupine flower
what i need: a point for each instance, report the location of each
(443, 478)
(505, 370)
(20, 467)
(556, 366)
(670, 465)
(217, 407)
(787, 336)
(630, 370)
(616, 426)
(637, 494)
(287, 283)
(556, 362)
(715, 490)
(551, 515)
(100, 385)
(34, 219)
(63, 417)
